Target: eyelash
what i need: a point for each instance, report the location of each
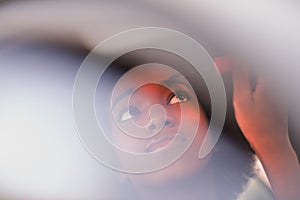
(133, 111)
(178, 94)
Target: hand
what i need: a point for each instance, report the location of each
(260, 112)
(262, 117)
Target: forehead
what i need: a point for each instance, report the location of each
(145, 74)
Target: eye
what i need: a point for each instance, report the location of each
(181, 97)
(125, 116)
(128, 113)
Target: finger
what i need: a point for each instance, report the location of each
(241, 83)
(264, 88)
(224, 63)
(267, 90)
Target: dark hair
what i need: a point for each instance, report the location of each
(233, 163)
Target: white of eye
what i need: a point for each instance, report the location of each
(125, 116)
(129, 113)
(178, 99)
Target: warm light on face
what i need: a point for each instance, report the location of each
(134, 107)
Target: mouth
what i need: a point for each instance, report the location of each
(163, 141)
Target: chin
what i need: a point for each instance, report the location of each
(182, 169)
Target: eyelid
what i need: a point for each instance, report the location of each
(132, 111)
(178, 93)
(170, 97)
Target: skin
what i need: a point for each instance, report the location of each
(252, 109)
(143, 98)
(262, 117)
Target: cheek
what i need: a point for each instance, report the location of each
(203, 125)
(125, 142)
(196, 117)
(201, 120)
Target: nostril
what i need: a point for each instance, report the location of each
(167, 123)
(152, 127)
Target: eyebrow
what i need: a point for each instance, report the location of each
(169, 82)
(123, 95)
(173, 80)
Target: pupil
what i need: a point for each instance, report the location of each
(133, 111)
(181, 97)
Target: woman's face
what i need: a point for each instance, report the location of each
(133, 104)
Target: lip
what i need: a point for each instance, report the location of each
(161, 142)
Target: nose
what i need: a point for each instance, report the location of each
(156, 125)
(155, 113)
